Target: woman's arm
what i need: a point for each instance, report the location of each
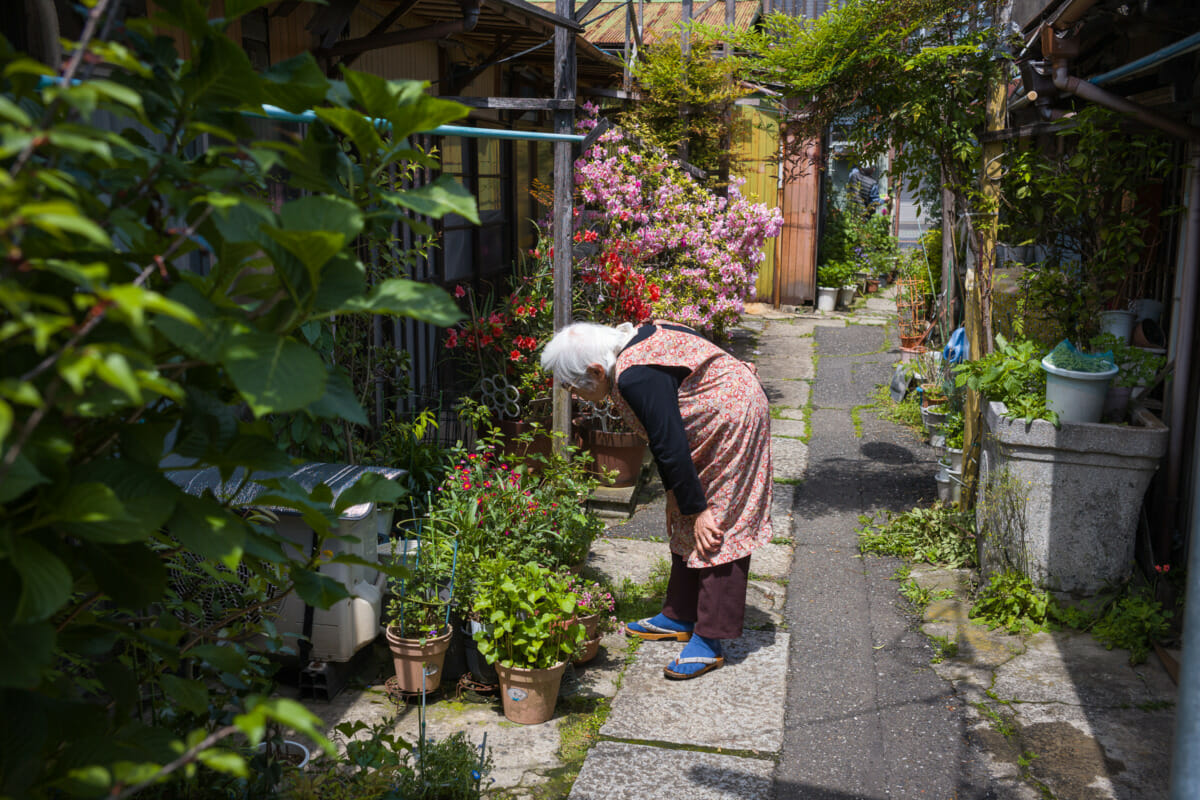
(652, 393)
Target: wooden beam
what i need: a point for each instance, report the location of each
(515, 103)
(618, 94)
(285, 8)
(527, 12)
(582, 13)
(461, 81)
(562, 224)
(381, 27)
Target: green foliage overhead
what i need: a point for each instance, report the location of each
(903, 72)
(686, 99)
(162, 258)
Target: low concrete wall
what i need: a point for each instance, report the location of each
(1062, 504)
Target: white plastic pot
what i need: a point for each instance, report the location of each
(1118, 323)
(1076, 396)
(846, 296)
(826, 298)
(1146, 308)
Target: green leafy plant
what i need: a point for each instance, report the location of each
(164, 261)
(528, 613)
(1133, 622)
(1138, 366)
(952, 429)
(1065, 356)
(418, 603)
(1011, 374)
(937, 535)
(1010, 601)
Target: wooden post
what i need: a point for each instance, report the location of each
(564, 187)
(979, 274)
(949, 274)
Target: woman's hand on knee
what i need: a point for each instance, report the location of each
(708, 536)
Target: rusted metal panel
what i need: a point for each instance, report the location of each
(797, 266)
(606, 23)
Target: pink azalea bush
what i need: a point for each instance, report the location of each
(701, 251)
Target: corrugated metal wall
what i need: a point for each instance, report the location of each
(797, 263)
(756, 146)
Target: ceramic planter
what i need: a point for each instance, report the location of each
(826, 298)
(481, 671)
(541, 445)
(932, 417)
(846, 296)
(1071, 497)
(290, 752)
(529, 695)
(418, 663)
(591, 646)
(1118, 323)
(1076, 396)
(619, 452)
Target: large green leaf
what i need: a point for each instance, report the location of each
(444, 196)
(149, 498)
(203, 525)
(316, 213)
(424, 115)
(45, 580)
(406, 298)
(342, 278)
(370, 487)
(93, 511)
(191, 695)
(204, 336)
(354, 126)
(315, 589)
(25, 650)
(311, 248)
(339, 400)
(297, 84)
(221, 76)
(274, 373)
(133, 575)
(22, 477)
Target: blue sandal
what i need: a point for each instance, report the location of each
(648, 630)
(710, 662)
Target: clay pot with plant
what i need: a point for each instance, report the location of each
(532, 632)
(417, 615)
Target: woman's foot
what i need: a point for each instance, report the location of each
(659, 628)
(700, 656)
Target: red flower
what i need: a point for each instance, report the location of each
(515, 355)
(459, 291)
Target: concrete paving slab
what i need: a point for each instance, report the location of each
(789, 458)
(789, 428)
(772, 561)
(788, 396)
(619, 771)
(738, 707)
(617, 558)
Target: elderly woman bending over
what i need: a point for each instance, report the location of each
(705, 417)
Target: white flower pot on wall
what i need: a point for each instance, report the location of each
(1062, 504)
(1076, 396)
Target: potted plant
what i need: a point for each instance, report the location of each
(1076, 383)
(617, 451)
(596, 606)
(418, 613)
(1138, 369)
(1068, 494)
(531, 633)
(829, 280)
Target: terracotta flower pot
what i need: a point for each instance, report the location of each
(591, 624)
(529, 695)
(541, 445)
(622, 452)
(591, 648)
(418, 666)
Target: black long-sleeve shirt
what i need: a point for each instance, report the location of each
(652, 393)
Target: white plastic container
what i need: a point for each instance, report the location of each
(826, 298)
(846, 296)
(1076, 396)
(1118, 323)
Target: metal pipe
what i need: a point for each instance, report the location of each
(1088, 91)
(1145, 62)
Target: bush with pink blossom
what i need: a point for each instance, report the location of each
(698, 251)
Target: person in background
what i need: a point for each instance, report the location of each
(863, 188)
(705, 417)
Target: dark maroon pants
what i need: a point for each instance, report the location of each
(712, 597)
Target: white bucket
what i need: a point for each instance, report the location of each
(826, 298)
(1145, 308)
(846, 296)
(1118, 323)
(1076, 396)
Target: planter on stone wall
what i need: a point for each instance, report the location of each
(1062, 504)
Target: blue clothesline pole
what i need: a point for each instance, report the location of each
(276, 113)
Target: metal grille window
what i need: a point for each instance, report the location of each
(469, 252)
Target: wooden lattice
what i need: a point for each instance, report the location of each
(910, 307)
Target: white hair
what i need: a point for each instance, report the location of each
(581, 344)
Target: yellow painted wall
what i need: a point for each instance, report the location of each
(755, 147)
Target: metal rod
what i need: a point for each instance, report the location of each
(1157, 57)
